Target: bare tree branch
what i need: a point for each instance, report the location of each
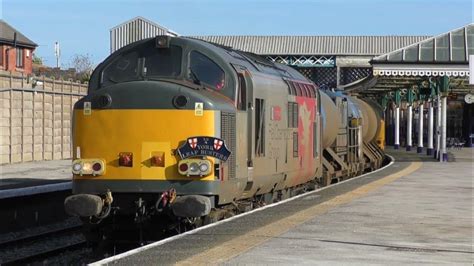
(83, 65)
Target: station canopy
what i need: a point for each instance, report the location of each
(444, 55)
(314, 45)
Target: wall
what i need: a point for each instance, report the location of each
(35, 121)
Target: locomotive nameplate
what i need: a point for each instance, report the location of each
(204, 146)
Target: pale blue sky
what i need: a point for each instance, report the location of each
(82, 27)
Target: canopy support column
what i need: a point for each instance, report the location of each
(429, 150)
(410, 97)
(398, 101)
(438, 128)
(444, 154)
(419, 148)
(396, 145)
(409, 127)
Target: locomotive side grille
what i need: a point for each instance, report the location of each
(229, 136)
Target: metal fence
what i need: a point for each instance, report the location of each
(35, 117)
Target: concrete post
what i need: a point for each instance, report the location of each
(419, 148)
(444, 154)
(396, 145)
(338, 76)
(409, 127)
(429, 150)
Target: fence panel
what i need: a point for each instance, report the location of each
(35, 117)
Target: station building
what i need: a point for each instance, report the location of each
(16, 50)
(396, 70)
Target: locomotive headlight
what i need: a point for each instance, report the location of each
(162, 41)
(194, 167)
(76, 167)
(203, 167)
(88, 167)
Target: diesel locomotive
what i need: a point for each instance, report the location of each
(181, 127)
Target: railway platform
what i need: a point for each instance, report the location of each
(415, 211)
(30, 178)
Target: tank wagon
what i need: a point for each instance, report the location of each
(184, 128)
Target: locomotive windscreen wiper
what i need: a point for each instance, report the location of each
(194, 77)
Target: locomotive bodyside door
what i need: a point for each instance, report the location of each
(245, 106)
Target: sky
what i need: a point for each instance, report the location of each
(82, 27)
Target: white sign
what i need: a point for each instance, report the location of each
(87, 108)
(471, 69)
(198, 109)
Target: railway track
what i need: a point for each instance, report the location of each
(35, 229)
(41, 243)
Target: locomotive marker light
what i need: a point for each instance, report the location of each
(125, 159)
(157, 159)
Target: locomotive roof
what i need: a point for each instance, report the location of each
(250, 60)
(223, 54)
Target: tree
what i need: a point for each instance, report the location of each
(37, 60)
(83, 65)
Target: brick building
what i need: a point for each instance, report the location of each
(16, 50)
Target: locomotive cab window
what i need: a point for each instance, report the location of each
(145, 62)
(204, 70)
(242, 95)
(163, 62)
(124, 68)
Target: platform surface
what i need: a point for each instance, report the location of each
(21, 175)
(425, 217)
(417, 211)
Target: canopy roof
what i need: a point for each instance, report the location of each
(453, 47)
(444, 55)
(315, 45)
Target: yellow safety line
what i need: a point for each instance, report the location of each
(227, 250)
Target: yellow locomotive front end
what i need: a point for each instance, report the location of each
(135, 145)
(148, 133)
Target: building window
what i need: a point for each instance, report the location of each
(1, 55)
(19, 58)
